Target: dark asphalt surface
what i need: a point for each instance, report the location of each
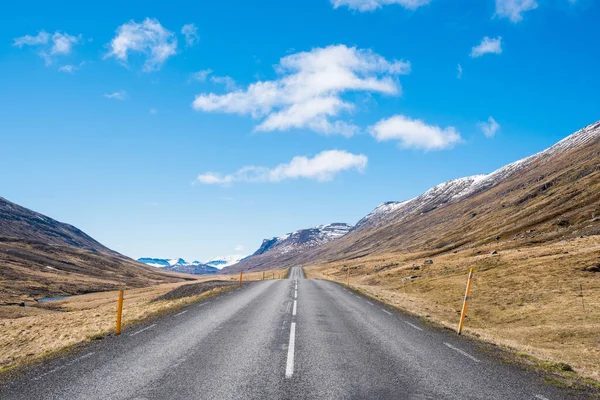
(236, 346)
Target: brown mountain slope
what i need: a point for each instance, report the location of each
(41, 257)
(550, 196)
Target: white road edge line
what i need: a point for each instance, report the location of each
(413, 325)
(370, 303)
(294, 310)
(81, 358)
(464, 353)
(539, 396)
(37, 378)
(181, 313)
(289, 368)
(386, 311)
(203, 304)
(142, 330)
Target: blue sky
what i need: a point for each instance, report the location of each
(196, 129)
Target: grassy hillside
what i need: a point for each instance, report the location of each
(41, 257)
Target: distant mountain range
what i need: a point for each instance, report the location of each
(195, 267)
(551, 195)
(278, 249)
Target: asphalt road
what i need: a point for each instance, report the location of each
(282, 339)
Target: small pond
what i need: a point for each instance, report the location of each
(48, 299)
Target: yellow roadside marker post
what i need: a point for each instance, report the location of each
(119, 312)
(463, 314)
(240, 278)
(273, 275)
(263, 275)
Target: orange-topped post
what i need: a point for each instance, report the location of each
(463, 314)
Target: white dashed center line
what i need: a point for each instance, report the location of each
(295, 294)
(289, 368)
(464, 353)
(142, 330)
(295, 306)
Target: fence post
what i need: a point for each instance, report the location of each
(240, 278)
(119, 312)
(463, 314)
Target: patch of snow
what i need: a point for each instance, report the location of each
(456, 189)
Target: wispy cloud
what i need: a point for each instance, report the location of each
(190, 31)
(459, 72)
(201, 76)
(322, 167)
(120, 95)
(41, 38)
(70, 68)
(414, 133)
(487, 46)
(308, 93)
(52, 46)
(149, 38)
(370, 5)
(227, 81)
(489, 128)
(514, 9)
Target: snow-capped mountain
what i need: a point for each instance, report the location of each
(222, 262)
(293, 243)
(180, 265)
(457, 189)
(304, 238)
(195, 267)
(163, 262)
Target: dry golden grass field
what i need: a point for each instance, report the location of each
(30, 333)
(527, 299)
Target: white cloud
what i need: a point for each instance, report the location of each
(513, 9)
(41, 38)
(63, 43)
(227, 81)
(460, 71)
(190, 31)
(52, 46)
(490, 127)
(487, 45)
(370, 5)
(70, 68)
(120, 95)
(239, 247)
(149, 38)
(308, 92)
(322, 167)
(201, 75)
(414, 133)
